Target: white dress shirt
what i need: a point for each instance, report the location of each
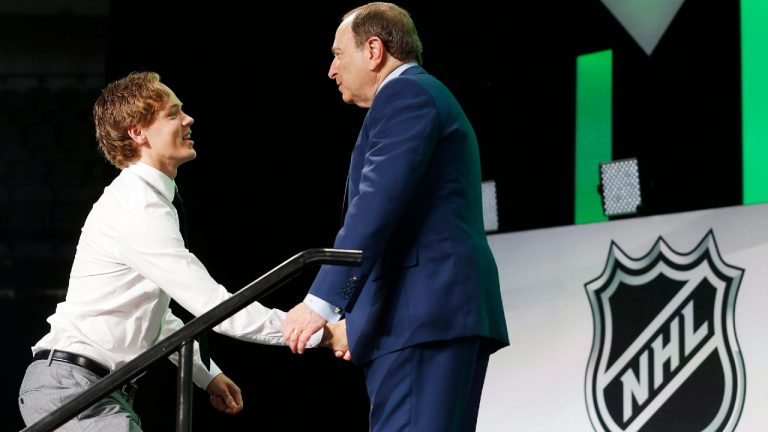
(130, 262)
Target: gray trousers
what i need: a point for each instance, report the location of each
(48, 386)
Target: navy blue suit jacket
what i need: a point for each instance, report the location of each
(415, 211)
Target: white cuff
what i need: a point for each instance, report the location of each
(202, 376)
(326, 310)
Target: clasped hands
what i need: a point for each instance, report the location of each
(302, 322)
(299, 325)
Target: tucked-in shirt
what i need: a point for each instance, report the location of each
(130, 262)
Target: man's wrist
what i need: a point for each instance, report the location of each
(321, 307)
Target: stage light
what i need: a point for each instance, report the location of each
(620, 187)
(490, 212)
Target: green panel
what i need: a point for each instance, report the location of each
(593, 131)
(754, 79)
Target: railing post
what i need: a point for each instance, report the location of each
(184, 387)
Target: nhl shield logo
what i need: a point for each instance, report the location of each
(665, 355)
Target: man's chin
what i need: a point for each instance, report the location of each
(192, 155)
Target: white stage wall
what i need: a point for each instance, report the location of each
(540, 382)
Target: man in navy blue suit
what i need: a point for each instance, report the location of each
(424, 309)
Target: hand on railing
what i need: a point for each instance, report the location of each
(335, 338)
(225, 394)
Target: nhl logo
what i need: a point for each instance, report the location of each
(665, 355)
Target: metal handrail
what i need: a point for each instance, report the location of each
(247, 295)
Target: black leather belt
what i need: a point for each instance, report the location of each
(75, 359)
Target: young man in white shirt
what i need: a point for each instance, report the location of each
(131, 261)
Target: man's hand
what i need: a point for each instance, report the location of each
(225, 395)
(335, 338)
(300, 324)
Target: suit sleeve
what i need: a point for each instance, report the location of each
(401, 129)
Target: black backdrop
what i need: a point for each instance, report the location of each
(273, 141)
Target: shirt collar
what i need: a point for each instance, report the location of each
(164, 184)
(395, 73)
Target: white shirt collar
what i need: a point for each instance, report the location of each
(156, 178)
(395, 73)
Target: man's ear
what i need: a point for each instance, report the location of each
(376, 52)
(137, 134)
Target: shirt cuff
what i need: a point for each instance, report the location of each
(326, 310)
(315, 339)
(202, 376)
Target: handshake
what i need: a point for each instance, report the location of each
(302, 322)
(298, 326)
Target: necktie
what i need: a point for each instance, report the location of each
(179, 204)
(202, 340)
